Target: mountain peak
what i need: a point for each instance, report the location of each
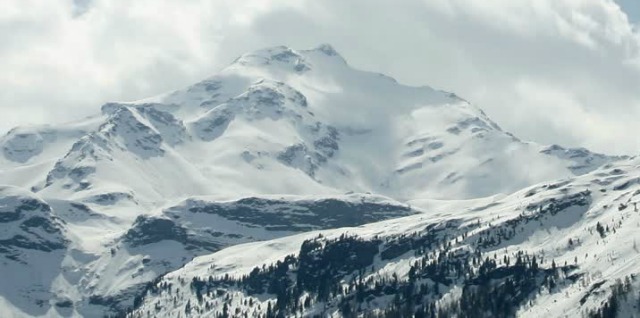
(285, 55)
(327, 49)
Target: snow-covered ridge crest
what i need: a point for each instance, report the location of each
(284, 55)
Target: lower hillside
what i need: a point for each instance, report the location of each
(67, 258)
(559, 249)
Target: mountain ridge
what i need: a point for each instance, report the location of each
(174, 123)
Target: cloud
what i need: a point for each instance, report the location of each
(553, 71)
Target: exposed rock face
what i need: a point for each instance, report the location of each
(27, 224)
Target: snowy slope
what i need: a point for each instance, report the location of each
(280, 142)
(585, 227)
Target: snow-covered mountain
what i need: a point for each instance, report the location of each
(280, 142)
(304, 122)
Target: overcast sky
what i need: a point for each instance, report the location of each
(551, 71)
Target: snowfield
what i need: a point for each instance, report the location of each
(197, 188)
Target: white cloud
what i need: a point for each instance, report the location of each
(563, 71)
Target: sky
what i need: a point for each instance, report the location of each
(631, 8)
(552, 71)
